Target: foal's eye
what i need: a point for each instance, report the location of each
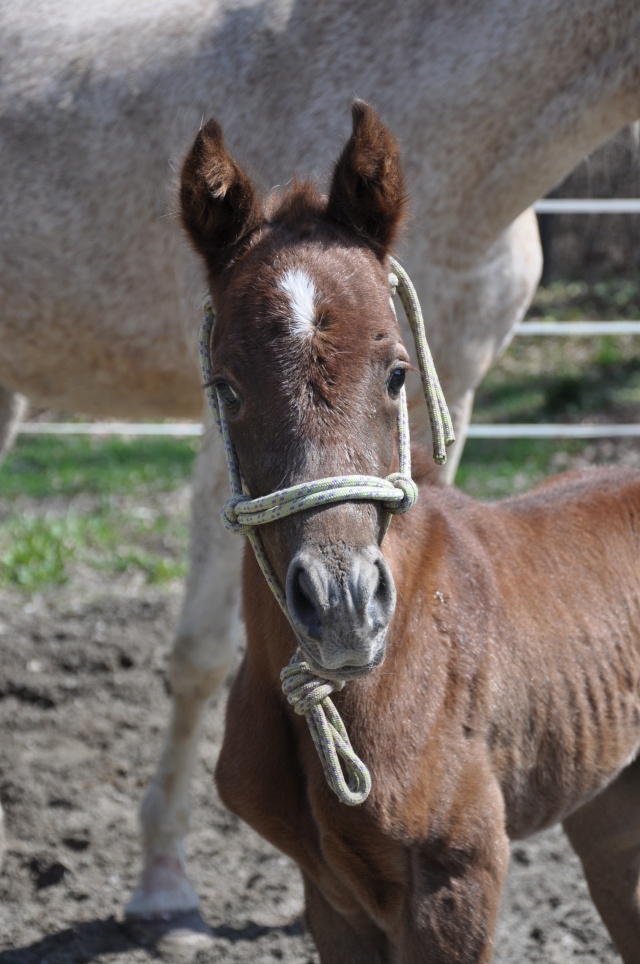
(228, 394)
(396, 381)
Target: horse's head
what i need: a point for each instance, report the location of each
(308, 363)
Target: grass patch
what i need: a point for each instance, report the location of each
(34, 552)
(572, 379)
(495, 468)
(41, 550)
(119, 531)
(563, 380)
(543, 379)
(41, 466)
(614, 298)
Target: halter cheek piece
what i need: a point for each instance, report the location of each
(308, 693)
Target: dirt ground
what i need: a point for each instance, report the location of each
(83, 706)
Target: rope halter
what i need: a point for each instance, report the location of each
(308, 693)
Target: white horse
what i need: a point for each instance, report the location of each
(492, 100)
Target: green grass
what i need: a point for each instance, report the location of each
(573, 300)
(495, 468)
(563, 380)
(120, 530)
(572, 379)
(41, 466)
(543, 379)
(40, 550)
(36, 551)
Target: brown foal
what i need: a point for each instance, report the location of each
(492, 651)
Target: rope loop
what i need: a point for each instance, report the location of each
(310, 696)
(410, 490)
(229, 514)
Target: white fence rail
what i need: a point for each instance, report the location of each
(516, 430)
(169, 429)
(629, 205)
(194, 429)
(578, 328)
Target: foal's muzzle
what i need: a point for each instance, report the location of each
(341, 612)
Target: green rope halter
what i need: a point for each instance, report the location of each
(308, 693)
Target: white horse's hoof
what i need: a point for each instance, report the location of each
(164, 891)
(172, 933)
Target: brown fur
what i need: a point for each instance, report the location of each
(368, 192)
(509, 698)
(217, 199)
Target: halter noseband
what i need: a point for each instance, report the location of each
(308, 693)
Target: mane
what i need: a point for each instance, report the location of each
(298, 205)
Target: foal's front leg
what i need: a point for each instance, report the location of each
(455, 884)
(453, 917)
(340, 941)
(204, 648)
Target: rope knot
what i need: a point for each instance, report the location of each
(303, 688)
(229, 513)
(409, 489)
(310, 697)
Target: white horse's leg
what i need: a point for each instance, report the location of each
(471, 312)
(12, 408)
(206, 640)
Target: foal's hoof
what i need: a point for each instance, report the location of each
(173, 934)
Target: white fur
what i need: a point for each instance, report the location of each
(301, 291)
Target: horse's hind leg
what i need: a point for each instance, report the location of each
(208, 632)
(605, 834)
(12, 408)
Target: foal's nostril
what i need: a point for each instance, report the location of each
(372, 592)
(383, 598)
(302, 600)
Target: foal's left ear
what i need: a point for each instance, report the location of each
(218, 202)
(367, 189)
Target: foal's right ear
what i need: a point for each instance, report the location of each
(218, 202)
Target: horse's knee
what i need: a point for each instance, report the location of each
(210, 617)
(197, 672)
(207, 639)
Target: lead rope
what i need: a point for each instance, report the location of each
(308, 693)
